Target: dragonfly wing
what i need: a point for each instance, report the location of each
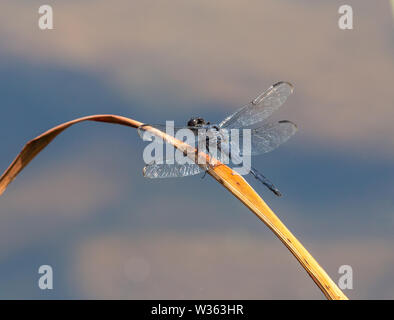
(269, 136)
(170, 170)
(260, 108)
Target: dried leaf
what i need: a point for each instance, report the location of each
(233, 182)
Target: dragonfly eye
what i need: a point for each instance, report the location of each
(196, 122)
(192, 122)
(200, 121)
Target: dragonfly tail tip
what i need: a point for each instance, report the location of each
(277, 192)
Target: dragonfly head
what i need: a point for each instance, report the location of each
(197, 122)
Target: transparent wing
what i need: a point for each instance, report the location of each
(260, 108)
(269, 136)
(170, 170)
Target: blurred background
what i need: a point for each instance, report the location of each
(83, 206)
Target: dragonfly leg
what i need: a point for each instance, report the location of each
(265, 181)
(210, 166)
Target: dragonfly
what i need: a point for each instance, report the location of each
(266, 134)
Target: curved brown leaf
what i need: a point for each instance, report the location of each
(233, 182)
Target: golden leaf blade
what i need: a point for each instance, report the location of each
(233, 182)
(36, 145)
